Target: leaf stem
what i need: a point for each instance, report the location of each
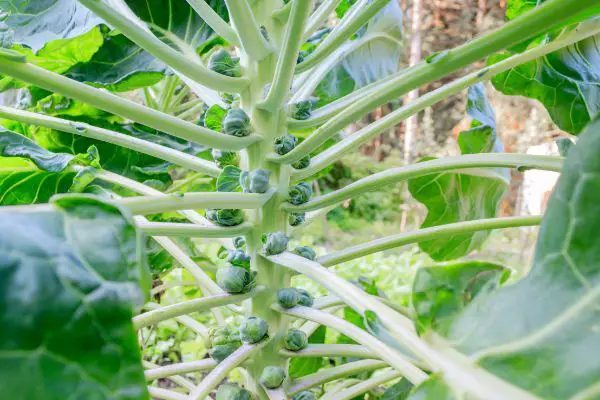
(179, 369)
(331, 350)
(165, 394)
(193, 230)
(318, 17)
(252, 41)
(363, 387)
(215, 21)
(185, 320)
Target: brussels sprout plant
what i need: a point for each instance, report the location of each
(144, 128)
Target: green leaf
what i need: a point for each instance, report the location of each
(14, 145)
(229, 180)
(564, 145)
(213, 118)
(441, 292)
(69, 280)
(398, 391)
(474, 194)
(300, 367)
(433, 388)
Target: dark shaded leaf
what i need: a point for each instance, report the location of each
(398, 391)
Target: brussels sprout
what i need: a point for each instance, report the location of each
(253, 330)
(275, 243)
(300, 193)
(287, 297)
(237, 123)
(302, 163)
(306, 395)
(222, 335)
(7, 38)
(224, 158)
(295, 340)
(222, 351)
(296, 219)
(236, 258)
(256, 181)
(235, 279)
(306, 252)
(225, 217)
(272, 377)
(284, 144)
(239, 242)
(304, 298)
(264, 32)
(302, 109)
(223, 63)
(229, 391)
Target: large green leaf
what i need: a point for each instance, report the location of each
(454, 197)
(69, 280)
(540, 333)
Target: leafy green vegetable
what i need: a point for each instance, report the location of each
(223, 63)
(272, 377)
(253, 330)
(213, 118)
(295, 340)
(275, 243)
(236, 279)
(225, 217)
(229, 179)
(287, 297)
(237, 123)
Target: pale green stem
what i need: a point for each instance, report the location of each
(180, 380)
(327, 375)
(194, 200)
(215, 21)
(179, 369)
(330, 301)
(463, 164)
(192, 112)
(168, 90)
(185, 106)
(189, 306)
(193, 230)
(184, 320)
(357, 139)
(165, 394)
(149, 98)
(351, 23)
(284, 71)
(130, 142)
(318, 17)
(275, 394)
(362, 387)
(310, 218)
(123, 107)
(252, 41)
(169, 285)
(539, 20)
(223, 369)
(331, 350)
(178, 98)
(386, 353)
(421, 235)
(147, 41)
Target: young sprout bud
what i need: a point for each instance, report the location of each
(235, 279)
(256, 181)
(236, 258)
(224, 158)
(299, 194)
(287, 297)
(222, 351)
(275, 243)
(284, 144)
(223, 63)
(228, 391)
(296, 219)
(239, 242)
(253, 330)
(302, 109)
(272, 377)
(221, 336)
(306, 395)
(295, 340)
(225, 217)
(306, 252)
(304, 298)
(237, 123)
(302, 163)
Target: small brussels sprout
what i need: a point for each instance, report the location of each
(296, 219)
(272, 377)
(225, 217)
(253, 330)
(256, 181)
(229, 391)
(300, 193)
(306, 395)
(235, 279)
(284, 144)
(295, 340)
(306, 252)
(220, 336)
(236, 258)
(264, 32)
(239, 242)
(223, 63)
(222, 351)
(275, 243)
(237, 123)
(224, 158)
(302, 163)
(302, 109)
(304, 298)
(287, 297)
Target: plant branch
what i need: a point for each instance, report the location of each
(464, 164)
(179, 369)
(165, 394)
(421, 235)
(184, 320)
(169, 285)
(193, 230)
(189, 306)
(331, 350)
(141, 36)
(213, 20)
(349, 24)
(284, 71)
(362, 387)
(178, 379)
(541, 19)
(318, 17)
(327, 375)
(223, 369)
(252, 41)
(120, 106)
(130, 142)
